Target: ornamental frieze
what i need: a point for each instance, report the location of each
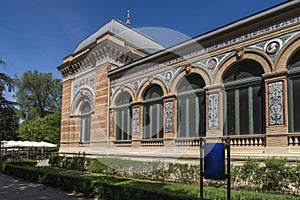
(275, 100)
(89, 81)
(212, 63)
(169, 75)
(113, 91)
(272, 47)
(135, 85)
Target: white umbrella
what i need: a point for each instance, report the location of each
(46, 144)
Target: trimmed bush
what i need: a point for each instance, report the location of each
(106, 188)
(274, 175)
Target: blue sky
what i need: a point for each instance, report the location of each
(38, 34)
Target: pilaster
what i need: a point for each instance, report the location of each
(276, 109)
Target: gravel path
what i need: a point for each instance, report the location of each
(12, 188)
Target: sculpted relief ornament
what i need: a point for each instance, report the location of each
(89, 81)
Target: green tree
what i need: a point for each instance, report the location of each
(38, 94)
(42, 129)
(9, 123)
(8, 116)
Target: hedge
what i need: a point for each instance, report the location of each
(106, 187)
(273, 176)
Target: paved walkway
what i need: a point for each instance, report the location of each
(12, 188)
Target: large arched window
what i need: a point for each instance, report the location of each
(85, 125)
(153, 113)
(244, 99)
(123, 117)
(294, 93)
(191, 106)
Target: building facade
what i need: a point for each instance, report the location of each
(124, 95)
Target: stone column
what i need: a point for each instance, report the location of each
(137, 123)
(214, 113)
(170, 119)
(276, 110)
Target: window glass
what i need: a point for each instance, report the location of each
(243, 69)
(123, 117)
(244, 102)
(85, 124)
(153, 113)
(294, 94)
(191, 107)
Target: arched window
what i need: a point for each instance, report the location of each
(244, 99)
(293, 93)
(123, 117)
(85, 125)
(153, 113)
(191, 106)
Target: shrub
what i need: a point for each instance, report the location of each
(276, 175)
(106, 188)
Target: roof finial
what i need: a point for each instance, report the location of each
(128, 18)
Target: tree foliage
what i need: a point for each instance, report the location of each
(38, 93)
(9, 123)
(8, 116)
(42, 129)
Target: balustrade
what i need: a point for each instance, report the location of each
(152, 143)
(123, 143)
(294, 140)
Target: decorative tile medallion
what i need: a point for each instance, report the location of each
(169, 116)
(136, 120)
(213, 111)
(273, 46)
(212, 64)
(276, 116)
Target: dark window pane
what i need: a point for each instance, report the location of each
(153, 92)
(258, 111)
(243, 69)
(153, 121)
(181, 124)
(296, 103)
(192, 118)
(190, 107)
(124, 99)
(202, 120)
(190, 82)
(230, 112)
(244, 111)
(295, 61)
(123, 117)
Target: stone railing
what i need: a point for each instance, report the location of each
(152, 142)
(294, 139)
(123, 143)
(184, 142)
(246, 140)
